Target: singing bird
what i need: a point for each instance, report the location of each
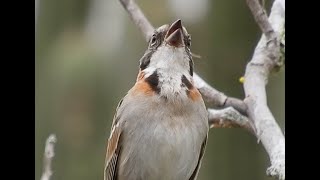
(160, 128)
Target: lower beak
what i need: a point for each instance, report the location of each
(174, 34)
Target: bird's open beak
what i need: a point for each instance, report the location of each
(174, 35)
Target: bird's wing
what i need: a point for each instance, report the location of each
(113, 148)
(195, 172)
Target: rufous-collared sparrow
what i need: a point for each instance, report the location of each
(160, 128)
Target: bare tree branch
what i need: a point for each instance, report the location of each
(228, 118)
(216, 98)
(261, 18)
(48, 156)
(138, 18)
(264, 60)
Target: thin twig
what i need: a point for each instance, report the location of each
(228, 118)
(138, 18)
(216, 98)
(48, 156)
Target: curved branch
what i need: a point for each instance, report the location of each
(264, 60)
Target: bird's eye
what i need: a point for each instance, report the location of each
(153, 40)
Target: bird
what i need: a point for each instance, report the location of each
(160, 127)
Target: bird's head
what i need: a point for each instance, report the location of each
(168, 50)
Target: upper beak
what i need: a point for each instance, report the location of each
(174, 34)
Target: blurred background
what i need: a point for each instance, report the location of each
(87, 54)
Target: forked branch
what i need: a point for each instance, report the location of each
(264, 60)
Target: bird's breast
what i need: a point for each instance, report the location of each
(163, 142)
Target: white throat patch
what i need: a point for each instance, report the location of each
(170, 63)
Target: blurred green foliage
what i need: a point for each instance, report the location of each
(78, 86)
